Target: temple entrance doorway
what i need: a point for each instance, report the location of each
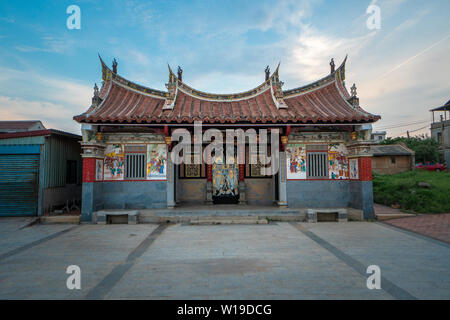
(225, 180)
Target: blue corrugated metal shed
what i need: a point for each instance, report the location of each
(52, 149)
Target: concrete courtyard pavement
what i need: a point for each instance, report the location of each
(274, 261)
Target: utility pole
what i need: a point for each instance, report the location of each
(407, 134)
(443, 140)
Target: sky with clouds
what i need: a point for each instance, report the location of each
(401, 70)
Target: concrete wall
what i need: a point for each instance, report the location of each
(384, 165)
(122, 195)
(191, 191)
(331, 194)
(259, 191)
(361, 197)
(58, 196)
(317, 193)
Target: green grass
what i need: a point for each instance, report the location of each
(403, 189)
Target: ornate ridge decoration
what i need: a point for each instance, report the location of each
(218, 96)
(108, 74)
(338, 74)
(273, 82)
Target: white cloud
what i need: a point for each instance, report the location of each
(53, 100)
(50, 45)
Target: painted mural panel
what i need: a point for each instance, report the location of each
(353, 163)
(156, 162)
(338, 162)
(225, 178)
(98, 170)
(296, 161)
(113, 168)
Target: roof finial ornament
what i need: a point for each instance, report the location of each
(267, 71)
(114, 65)
(332, 65)
(353, 90)
(95, 90)
(180, 74)
(96, 98)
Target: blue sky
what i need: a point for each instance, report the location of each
(47, 71)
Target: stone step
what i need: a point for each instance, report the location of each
(228, 220)
(149, 218)
(60, 219)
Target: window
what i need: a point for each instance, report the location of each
(257, 169)
(439, 137)
(317, 165)
(195, 170)
(135, 166)
(71, 172)
(393, 160)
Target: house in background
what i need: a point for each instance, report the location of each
(378, 136)
(20, 126)
(39, 170)
(392, 158)
(440, 131)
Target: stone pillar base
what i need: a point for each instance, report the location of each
(242, 193)
(208, 199)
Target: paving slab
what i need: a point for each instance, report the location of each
(40, 272)
(418, 265)
(273, 261)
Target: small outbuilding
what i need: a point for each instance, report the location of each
(392, 158)
(39, 170)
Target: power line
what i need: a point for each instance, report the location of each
(410, 131)
(407, 124)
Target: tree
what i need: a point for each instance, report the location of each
(426, 149)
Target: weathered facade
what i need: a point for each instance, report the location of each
(324, 152)
(392, 158)
(39, 170)
(440, 131)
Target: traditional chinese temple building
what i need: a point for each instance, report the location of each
(323, 146)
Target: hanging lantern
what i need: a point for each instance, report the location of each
(99, 136)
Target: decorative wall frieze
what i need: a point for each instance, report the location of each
(134, 137)
(318, 137)
(93, 149)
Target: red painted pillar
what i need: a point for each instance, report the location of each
(365, 168)
(89, 169)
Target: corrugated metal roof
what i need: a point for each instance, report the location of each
(36, 133)
(19, 124)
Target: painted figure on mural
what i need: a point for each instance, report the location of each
(225, 179)
(156, 162)
(114, 162)
(296, 161)
(338, 162)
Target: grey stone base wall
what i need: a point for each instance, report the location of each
(122, 195)
(317, 193)
(362, 197)
(331, 194)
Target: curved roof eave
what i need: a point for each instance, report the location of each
(338, 74)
